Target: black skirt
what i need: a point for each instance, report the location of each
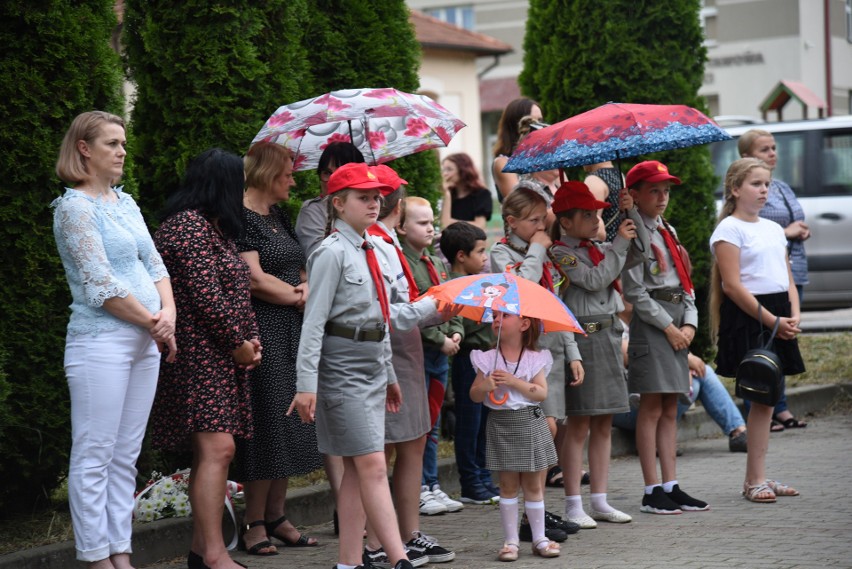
(739, 333)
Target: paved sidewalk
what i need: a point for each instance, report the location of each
(811, 531)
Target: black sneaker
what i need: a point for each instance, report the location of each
(685, 501)
(553, 521)
(403, 564)
(658, 502)
(379, 558)
(553, 534)
(428, 547)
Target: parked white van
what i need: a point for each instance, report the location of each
(815, 158)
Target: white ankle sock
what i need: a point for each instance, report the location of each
(650, 489)
(535, 515)
(574, 507)
(342, 566)
(599, 504)
(509, 517)
(667, 486)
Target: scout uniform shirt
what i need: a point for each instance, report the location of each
(590, 290)
(310, 224)
(641, 279)
(342, 292)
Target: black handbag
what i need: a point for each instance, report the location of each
(760, 373)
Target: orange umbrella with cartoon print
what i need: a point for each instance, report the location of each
(477, 297)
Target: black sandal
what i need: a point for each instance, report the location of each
(791, 423)
(256, 548)
(554, 477)
(303, 541)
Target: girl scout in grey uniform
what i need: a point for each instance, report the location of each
(340, 385)
(592, 269)
(522, 253)
(661, 329)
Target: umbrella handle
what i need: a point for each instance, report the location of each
(498, 401)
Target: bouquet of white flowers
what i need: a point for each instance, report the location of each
(164, 496)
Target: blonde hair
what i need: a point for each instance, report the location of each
(519, 204)
(71, 165)
(264, 162)
(412, 201)
(737, 172)
(748, 138)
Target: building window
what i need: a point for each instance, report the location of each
(461, 16)
(849, 21)
(708, 18)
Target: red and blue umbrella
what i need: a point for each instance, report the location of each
(611, 132)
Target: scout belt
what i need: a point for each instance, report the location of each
(596, 322)
(675, 296)
(376, 335)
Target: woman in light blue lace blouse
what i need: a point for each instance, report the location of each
(122, 311)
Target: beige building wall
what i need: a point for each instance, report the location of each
(450, 78)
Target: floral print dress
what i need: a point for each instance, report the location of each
(204, 390)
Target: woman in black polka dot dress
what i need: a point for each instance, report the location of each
(282, 446)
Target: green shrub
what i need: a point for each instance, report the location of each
(57, 62)
(207, 74)
(579, 55)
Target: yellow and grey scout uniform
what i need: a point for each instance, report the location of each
(562, 346)
(413, 420)
(310, 224)
(345, 353)
(596, 304)
(658, 300)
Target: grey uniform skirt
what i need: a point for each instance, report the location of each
(554, 404)
(518, 440)
(351, 394)
(652, 365)
(603, 391)
(413, 419)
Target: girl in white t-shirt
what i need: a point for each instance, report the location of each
(752, 270)
(511, 380)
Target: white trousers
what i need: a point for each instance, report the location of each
(112, 378)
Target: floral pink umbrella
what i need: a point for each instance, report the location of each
(383, 123)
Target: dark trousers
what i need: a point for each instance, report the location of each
(471, 419)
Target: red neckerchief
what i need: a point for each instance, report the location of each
(378, 280)
(596, 256)
(680, 266)
(377, 231)
(546, 277)
(430, 266)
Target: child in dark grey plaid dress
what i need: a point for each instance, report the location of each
(511, 381)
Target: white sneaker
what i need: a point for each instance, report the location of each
(429, 506)
(441, 496)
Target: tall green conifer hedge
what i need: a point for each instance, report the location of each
(57, 62)
(207, 74)
(579, 55)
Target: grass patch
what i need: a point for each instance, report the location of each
(828, 359)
